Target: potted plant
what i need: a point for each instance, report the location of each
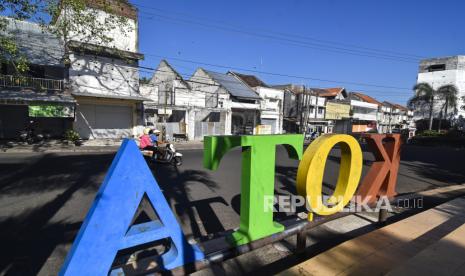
(73, 137)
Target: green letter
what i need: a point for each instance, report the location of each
(257, 180)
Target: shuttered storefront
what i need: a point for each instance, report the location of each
(104, 121)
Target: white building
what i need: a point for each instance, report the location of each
(271, 104)
(364, 111)
(304, 110)
(241, 103)
(187, 109)
(442, 71)
(104, 78)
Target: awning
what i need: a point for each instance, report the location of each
(112, 96)
(28, 96)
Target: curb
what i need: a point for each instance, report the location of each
(85, 149)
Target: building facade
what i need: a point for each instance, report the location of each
(186, 109)
(303, 110)
(104, 77)
(438, 72)
(37, 100)
(271, 104)
(364, 110)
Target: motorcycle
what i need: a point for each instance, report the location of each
(29, 136)
(168, 154)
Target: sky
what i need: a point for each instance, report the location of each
(316, 40)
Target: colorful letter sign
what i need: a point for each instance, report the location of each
(381, 179)
(257, 181)
(107, 228)
(311, 170)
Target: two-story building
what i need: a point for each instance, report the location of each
(104, 77)
(101, 77)
(438, 72)
(242, 104)
(36, 99)
(188, 109)
(337, 108)
(364, 111)
(271, 104)
(304, 110)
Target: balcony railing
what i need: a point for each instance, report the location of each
(29, 82)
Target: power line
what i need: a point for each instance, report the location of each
(294, 42)
(278, 74)
(285, 34)
(144, 68)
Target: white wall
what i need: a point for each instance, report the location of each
(440, 78)
(124, 36)
(271, 105)
(364, 111)
(102, 75)
(203, 84)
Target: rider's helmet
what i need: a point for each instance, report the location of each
(156, 131)
(146, 130)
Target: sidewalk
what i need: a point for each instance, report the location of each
(429, 243)
(97, 145)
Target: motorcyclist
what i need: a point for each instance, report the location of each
(154, 133)
(146, 142)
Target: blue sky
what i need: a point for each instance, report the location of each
(417, 28)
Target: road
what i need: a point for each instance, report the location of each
(45, 197)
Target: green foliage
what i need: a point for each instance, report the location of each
(144, 80)
(426, 97)
(430, 133)
(68, 19)
(9, 54)
(71, 135)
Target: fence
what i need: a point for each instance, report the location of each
(29, 82)
(171, 129)
(207, 128)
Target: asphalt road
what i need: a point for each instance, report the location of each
(45, 197)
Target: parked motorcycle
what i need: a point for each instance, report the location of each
(168, 154)
(29, 136)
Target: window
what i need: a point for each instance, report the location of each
(320, 110)
(436, 67)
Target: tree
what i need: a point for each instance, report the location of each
(424, 96)
(144, 80)
(9, 52)
(67, 19)
(447, 93)
(427, 96)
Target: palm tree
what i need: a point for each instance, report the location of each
(424, 95)
(448, 93)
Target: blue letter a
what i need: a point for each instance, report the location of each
(106, 228)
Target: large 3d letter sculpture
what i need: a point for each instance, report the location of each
(381, 179)
(257, 180)
(107, 228)
(311, 170)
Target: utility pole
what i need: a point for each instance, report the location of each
(316, 103)
(307, 103)
(390, 118)
(301, 97)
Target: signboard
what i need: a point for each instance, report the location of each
(107, 227)
(337, 111)
(263, 129)
(51, 110)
